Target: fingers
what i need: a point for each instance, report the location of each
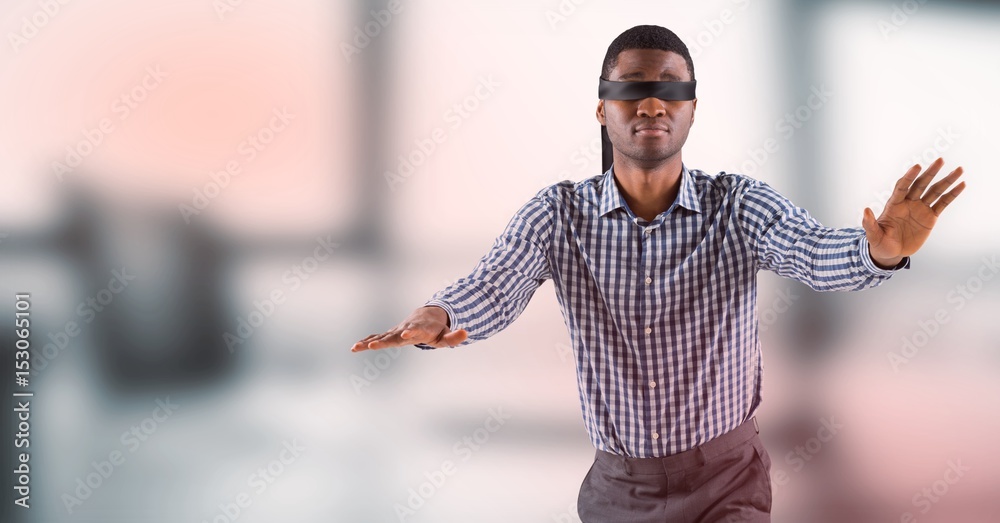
(363, 343)
(411, 336)
(917, 189)
(407, 334)
(391, 338)
(941, 186)
(379, 341)
(903, 185)
(947, 198)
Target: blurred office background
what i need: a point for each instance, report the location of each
(222, 229)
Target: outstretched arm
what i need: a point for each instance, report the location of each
(910, 214)
(489, 299)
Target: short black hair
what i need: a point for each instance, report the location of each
(645, 37)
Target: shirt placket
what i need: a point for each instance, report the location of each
(645, 274)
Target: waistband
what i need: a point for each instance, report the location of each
(693, 457)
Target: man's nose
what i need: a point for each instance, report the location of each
(652, 107)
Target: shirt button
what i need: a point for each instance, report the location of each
(652, 384)
(656, 435)
(645, 231)
(648, 330)
(649, 280)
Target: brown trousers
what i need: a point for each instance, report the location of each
(726, 479)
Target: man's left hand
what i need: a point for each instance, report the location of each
(910, 214)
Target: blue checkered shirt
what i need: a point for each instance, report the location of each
(662, 315)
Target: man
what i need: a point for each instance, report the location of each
(654, 266)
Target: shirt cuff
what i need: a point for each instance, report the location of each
(869, 263)
(451, 320)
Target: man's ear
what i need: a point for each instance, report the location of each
(600, 111)
(694, 105)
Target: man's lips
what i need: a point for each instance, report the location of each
(651, 130)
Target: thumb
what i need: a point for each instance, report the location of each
(455, 337)
(419, 334)
(870, 225)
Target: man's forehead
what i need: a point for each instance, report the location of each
(639, 63)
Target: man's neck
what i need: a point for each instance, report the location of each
(648, 190)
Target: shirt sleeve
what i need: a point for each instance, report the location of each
(785, 239)
(496, 292)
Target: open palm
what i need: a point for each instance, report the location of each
(910, 214)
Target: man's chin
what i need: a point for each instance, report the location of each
(652, 157)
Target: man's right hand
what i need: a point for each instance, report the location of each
(427, 324)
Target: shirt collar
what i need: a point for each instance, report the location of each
(612, 199)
